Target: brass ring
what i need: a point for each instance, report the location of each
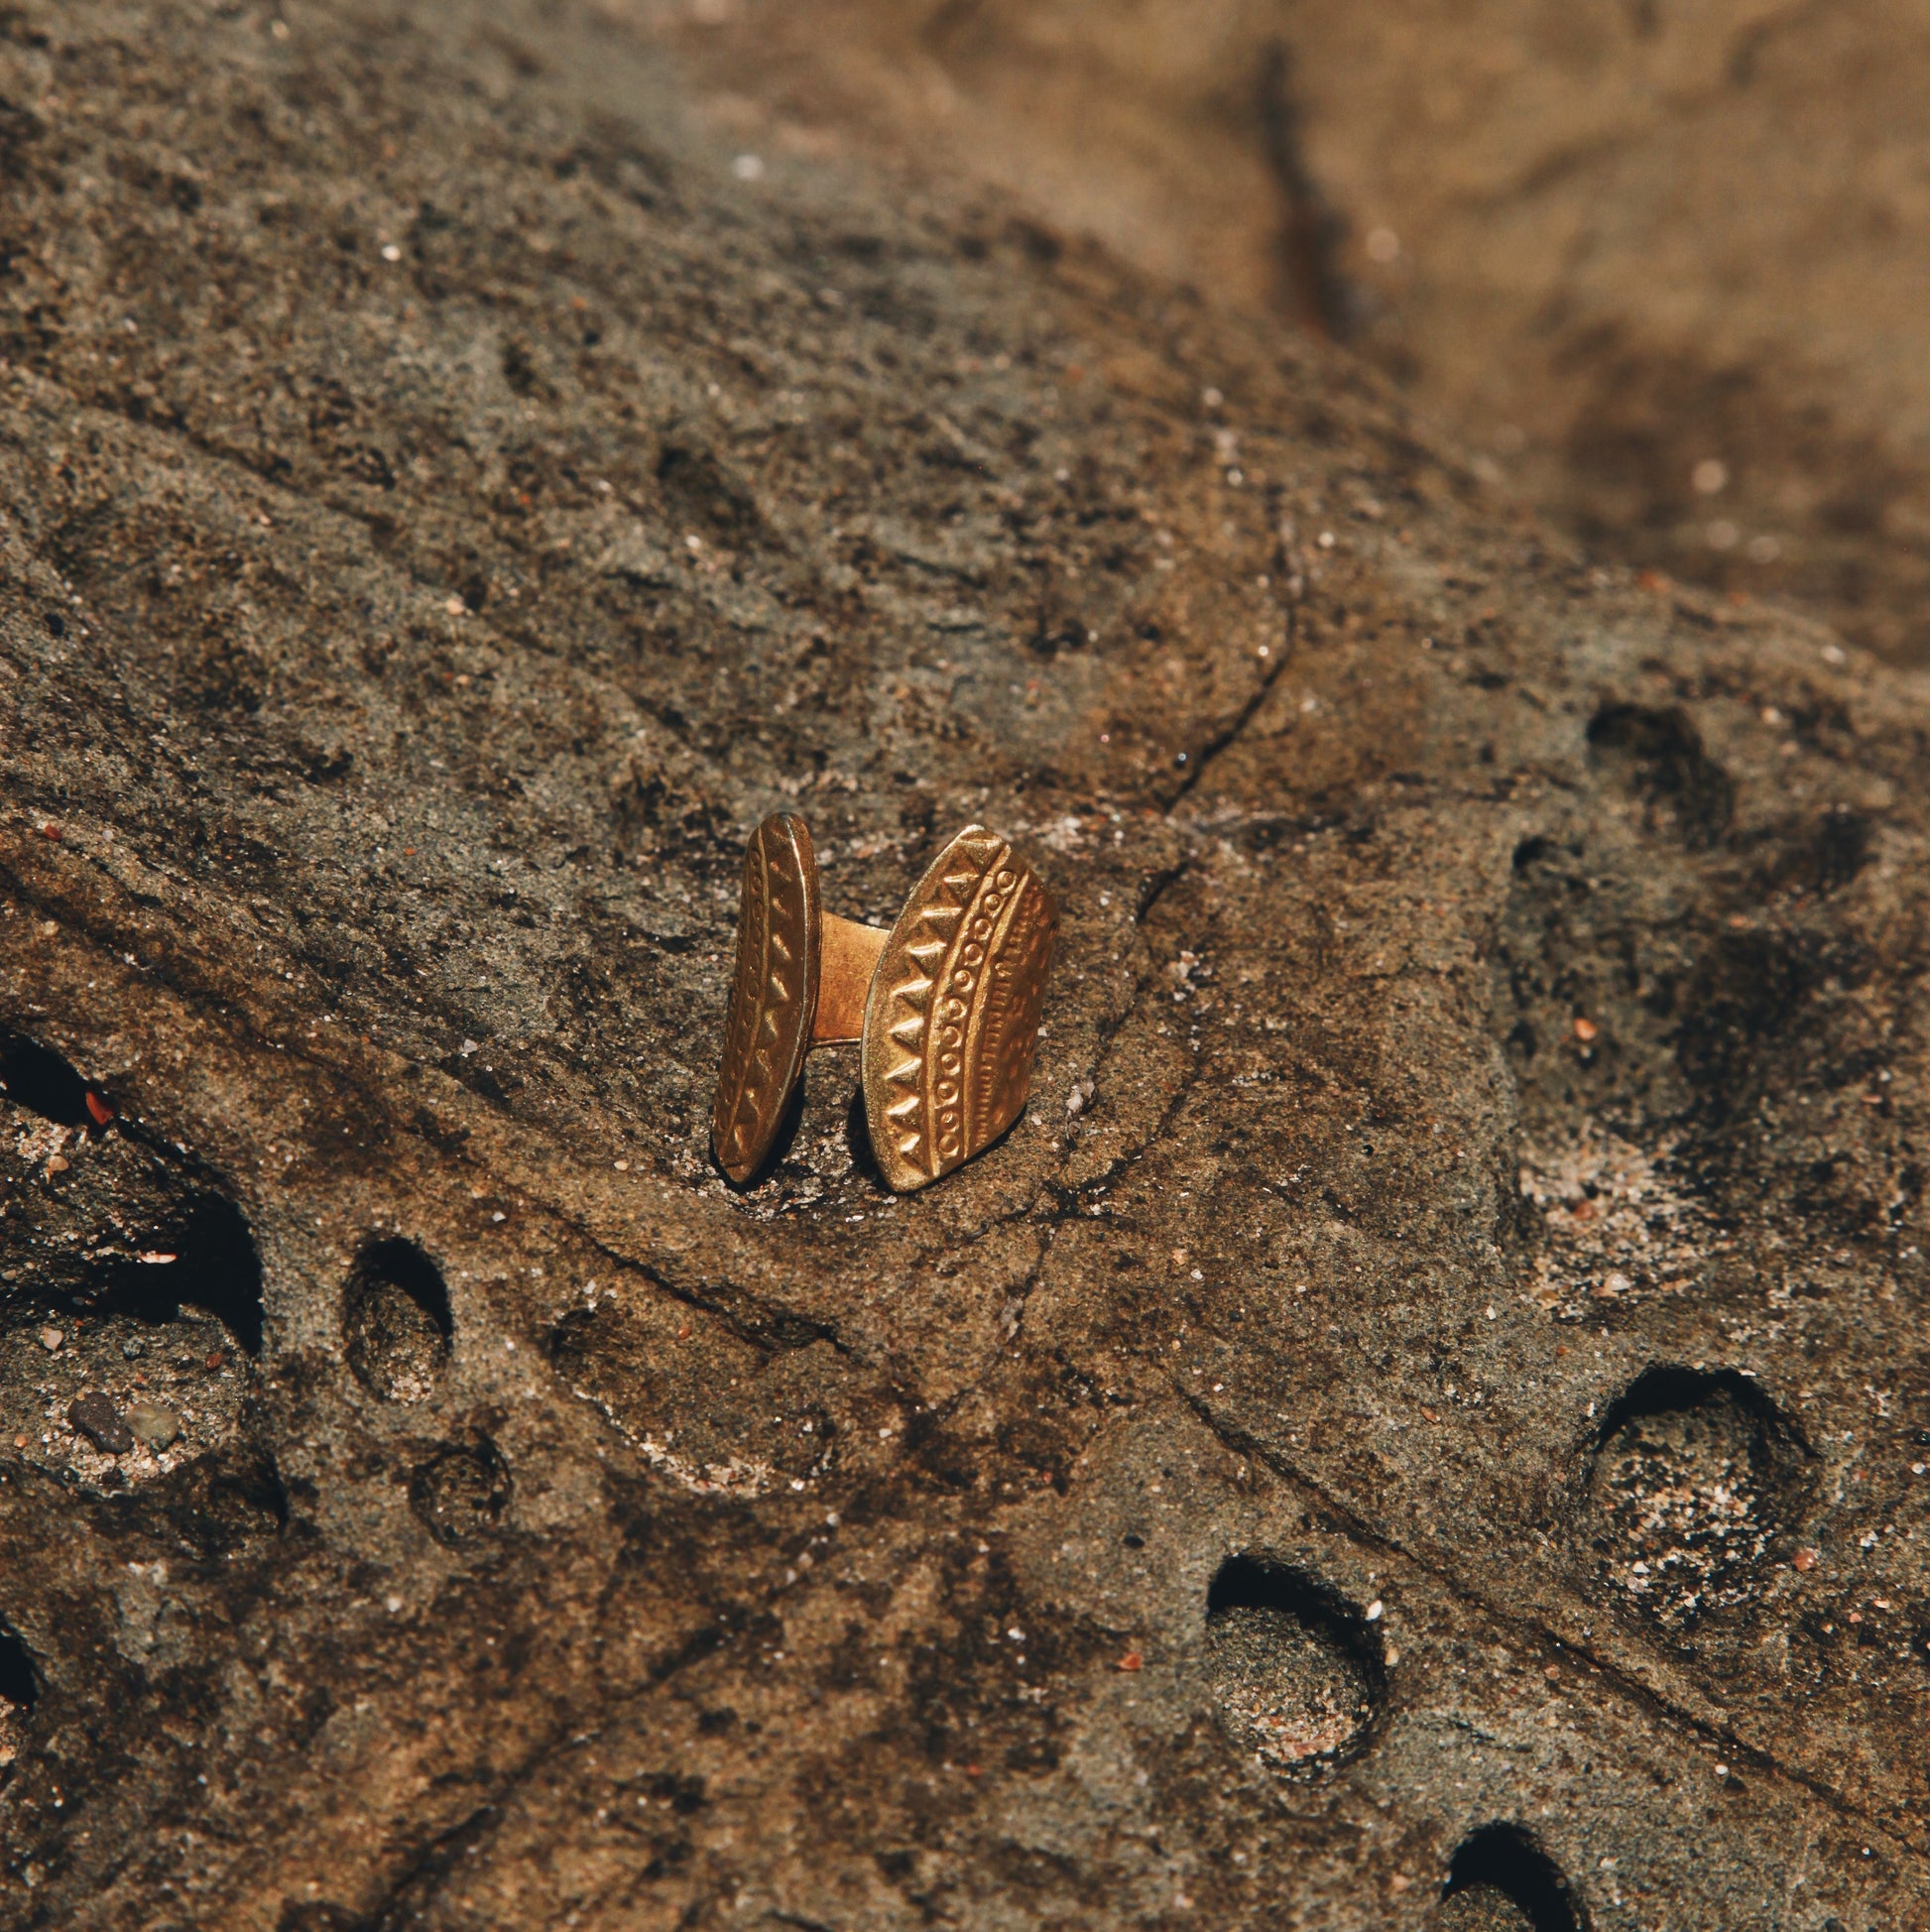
(946, 1006)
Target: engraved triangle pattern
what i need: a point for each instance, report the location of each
(773, 993)
(952, 1022)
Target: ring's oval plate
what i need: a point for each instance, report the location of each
(774, 997)
(951, 1026)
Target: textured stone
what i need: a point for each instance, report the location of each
(447, 506)
(1650, 263)
(97, 1417)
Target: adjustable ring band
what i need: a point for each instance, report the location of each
(849, 956)
(946, 1006)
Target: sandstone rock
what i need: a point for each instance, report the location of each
(1648, 261)
(773, 1553)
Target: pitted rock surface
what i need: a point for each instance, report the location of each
(446, 503)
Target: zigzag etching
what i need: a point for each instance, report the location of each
(952, 1022)
(774, 996)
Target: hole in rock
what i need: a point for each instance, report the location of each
(18, 1683)
(1297, 1669)
(396, 1321)
(1696, 1474)
(463, 1491)
(216, 1268)
(1501, 1881)
(19, 1688)
(39, 1079)
(1814, 855)
(221, 1503)
(1657, 758)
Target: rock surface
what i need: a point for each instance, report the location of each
(1454, 1307)
(1665, 268)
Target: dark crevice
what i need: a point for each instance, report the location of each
(20, 1683)
(1669, 1389)
(397, 1324)
(37, 1078)
(218, 1506)
(405, 1902)
(1657, 758)
(771, 1330)
(857, 1139)
(18, 1691)
(249, 1489)
(1504, 1859)
(216, 1267)
(1229, 733)
(400, 1265)
(1153, 892)
(782, 1143)
(214, 1262)
(1819, 855)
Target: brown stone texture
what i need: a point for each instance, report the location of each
(1433, 1394)
(1621, 250)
